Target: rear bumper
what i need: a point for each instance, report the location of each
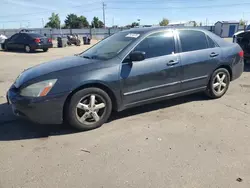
(42, 110)
(42, 46)
(237, 69)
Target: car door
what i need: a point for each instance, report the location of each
(158, 75)
(199, 56)
(12, 42)
(21, 41)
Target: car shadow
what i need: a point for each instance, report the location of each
(158, 105)
(22, 52)
(13, 128)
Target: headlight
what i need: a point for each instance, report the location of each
(39, 89)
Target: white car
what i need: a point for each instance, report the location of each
(2, 38)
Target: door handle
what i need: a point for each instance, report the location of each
(213, 54)
(172, 62)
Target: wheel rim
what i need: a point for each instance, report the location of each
(27, 48)
(90, 109)
(220, 82)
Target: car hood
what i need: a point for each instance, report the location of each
(49, 67)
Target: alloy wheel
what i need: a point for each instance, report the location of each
(27, 48)
(90, 109)
(220, 82)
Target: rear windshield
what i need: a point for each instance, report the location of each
(35, 35)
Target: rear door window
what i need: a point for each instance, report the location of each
(192, 40)
(22, 37)
(210, 42)
(157, 44)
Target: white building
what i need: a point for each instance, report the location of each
(226, 28)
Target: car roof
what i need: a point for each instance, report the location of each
(240, 32)
(159, 28)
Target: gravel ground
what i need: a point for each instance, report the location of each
(185, 142)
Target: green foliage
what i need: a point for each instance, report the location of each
(134, 24)
(96, 23)
(164, 22)
(74, 22)
(54, 21)
(242, 22)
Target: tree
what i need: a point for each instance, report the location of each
(54, 21)
(134, 24)
(164, 22)
(200, 23)
(73, 21)
(194, 23)
(242, 22)
(83, 22)
(96, 23)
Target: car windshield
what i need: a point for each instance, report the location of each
(111, 46)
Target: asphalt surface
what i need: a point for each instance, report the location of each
(185, 142)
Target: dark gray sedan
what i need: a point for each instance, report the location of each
(127, 69)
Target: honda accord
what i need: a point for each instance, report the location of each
(128, 69)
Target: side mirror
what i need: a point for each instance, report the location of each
(137, 56)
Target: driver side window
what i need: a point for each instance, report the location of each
(157, 44)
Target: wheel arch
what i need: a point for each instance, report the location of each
(228, 68)
(96, 85)
(225, 66)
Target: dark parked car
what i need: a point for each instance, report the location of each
(243, 39)
(127, 69)
(28, 42)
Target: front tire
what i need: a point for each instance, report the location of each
(88, 109)
(4, 47)
(218, 84)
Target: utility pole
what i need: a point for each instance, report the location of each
(42, 22)
(103, 11)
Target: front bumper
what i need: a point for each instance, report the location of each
(42, 110)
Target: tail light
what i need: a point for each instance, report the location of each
(49, 40)
(37, 40)
(241, 53)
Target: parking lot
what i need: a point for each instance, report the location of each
(185, 142)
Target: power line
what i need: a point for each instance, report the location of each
(171, 7)
(49, 11)
(12, 21)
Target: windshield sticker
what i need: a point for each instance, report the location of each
(133, 35)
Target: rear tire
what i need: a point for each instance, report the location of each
(45, 49)
(88, 109)
(27, 49)
(218, 84)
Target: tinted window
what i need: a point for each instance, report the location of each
(192, 40)
(35, 35)
(14, 37)
(21, 37)
(211, 43)
(158, 44)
